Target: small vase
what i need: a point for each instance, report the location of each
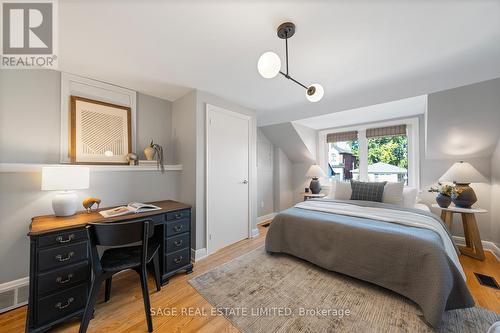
(443, 201)
(149, 153)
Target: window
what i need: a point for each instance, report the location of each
(375, 152)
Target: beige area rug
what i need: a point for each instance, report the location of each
(259, 292)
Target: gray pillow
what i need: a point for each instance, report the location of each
(367, 191)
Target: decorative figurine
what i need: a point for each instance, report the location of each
(89, 202)
(132, 159)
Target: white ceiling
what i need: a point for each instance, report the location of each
(362, 52)
(391, 110)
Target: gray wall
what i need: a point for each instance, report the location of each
(29, 133)
(151, 125)
(183, 114)
(265, 169)
(184, 151)
(495, 196)
(283, 180)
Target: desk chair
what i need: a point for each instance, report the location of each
(118, 259)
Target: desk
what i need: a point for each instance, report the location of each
(474, 247)
(60, 272)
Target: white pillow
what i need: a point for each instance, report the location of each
(340, 191)
(409, 197)
(393, 193)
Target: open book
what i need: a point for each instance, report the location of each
(131, 208)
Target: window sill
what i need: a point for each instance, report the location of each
(31, 167)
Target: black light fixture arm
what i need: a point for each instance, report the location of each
(285, 31)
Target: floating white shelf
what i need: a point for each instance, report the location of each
(31, 167)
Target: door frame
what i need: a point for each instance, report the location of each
(213, 108)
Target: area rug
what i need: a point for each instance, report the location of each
(259, 292)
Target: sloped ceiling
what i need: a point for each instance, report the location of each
(362, 52)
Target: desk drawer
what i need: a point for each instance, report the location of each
(177, 259)
(63, 278)
(177, 227)
(62, 256)
(157, 219)
(176, 243)
(63, 238)
(179, 215)
(62, 304)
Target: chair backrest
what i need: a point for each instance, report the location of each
(116, 234)
(121, 233)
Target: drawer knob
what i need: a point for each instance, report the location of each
(178, 260)
(61, 281)
(178, 243)
(60, 258)
(60, 239)
(61, 306)
(178, 227)
(178, 215)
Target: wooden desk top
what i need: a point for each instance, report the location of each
(49, 223)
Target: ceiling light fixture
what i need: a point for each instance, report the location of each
(269, 65)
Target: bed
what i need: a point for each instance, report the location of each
(406, 250)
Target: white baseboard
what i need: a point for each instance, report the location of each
(199, 254)
(265, 218)
(14, 285)
(255, 232)
(487, 246)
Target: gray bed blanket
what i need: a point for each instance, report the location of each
(408, 260)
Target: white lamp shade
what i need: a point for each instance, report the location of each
(318, 93)
(462, 173)
(269, 65)
(64, 178)
(315, 171)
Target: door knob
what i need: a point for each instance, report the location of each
(245, 181)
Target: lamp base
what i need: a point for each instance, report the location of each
(315, 186)
(466, 197)
(64, 203)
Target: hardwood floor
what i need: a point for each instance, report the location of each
(125, 312)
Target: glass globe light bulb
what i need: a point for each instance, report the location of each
(315, 93)
(269, 65)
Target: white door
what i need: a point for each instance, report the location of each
(227, 177)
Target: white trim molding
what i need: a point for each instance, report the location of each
(255, 232)
(487, 246)
(199, 254)
(31, 167)
(14, 285)
(266, 217)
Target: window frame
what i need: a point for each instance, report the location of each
(413, 136)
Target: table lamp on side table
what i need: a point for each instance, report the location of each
(315, 172)
(65, 179)
(462, 174)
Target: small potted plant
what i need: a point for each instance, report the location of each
(155, 151)
(444, 192)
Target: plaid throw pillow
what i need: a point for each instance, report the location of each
(367, 191)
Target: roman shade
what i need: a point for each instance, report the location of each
(342, 136)
(386, 131)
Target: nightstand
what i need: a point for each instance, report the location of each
(474, 247)
(309, 195)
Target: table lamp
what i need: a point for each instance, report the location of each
(65, 179)
(462, 174)
(315, 172)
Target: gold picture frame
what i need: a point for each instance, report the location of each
(100, 132)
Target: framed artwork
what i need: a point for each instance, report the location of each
(100, 132)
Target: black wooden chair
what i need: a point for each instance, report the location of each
(120, 258)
